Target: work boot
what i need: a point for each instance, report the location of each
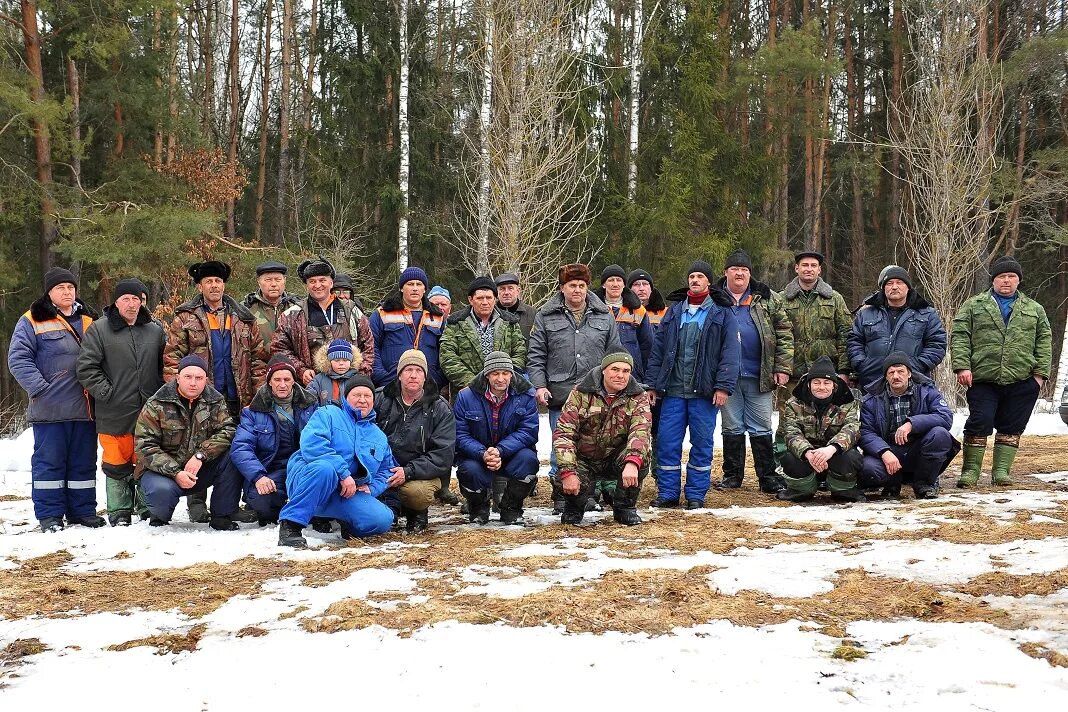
(157, 522)
(323, 525)
(574, 509)
(848, 495)
(891, 492)
(223, 524)
(511, 508)
(559, 500)
(499, 484)
(416, 521)
(291, 534)
(695, 504)
(972, 467)
(624, 506)
(89, 520)
(764, 464)
(445, 496)
(478, 508)
(120, 519)
(245, 515)
(1005, 449)
(788, 495)
(198, 507)
(926, 492)
(734, 460)
(660, 503)
(50, 525)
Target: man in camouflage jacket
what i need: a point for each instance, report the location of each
(271, 299)
(182, 438)
(821, 426)
(604, 434)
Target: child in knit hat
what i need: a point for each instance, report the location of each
(328, 385)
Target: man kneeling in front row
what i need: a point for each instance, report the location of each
(904, 431)
(603, 434)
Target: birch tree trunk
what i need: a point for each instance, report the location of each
(482, 260)
(405, 145)
(635, 99)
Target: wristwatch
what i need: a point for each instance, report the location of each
(200, 456)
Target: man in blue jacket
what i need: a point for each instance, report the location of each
(693, 368)
(496, 435)
(904, 431)
(341, 467)
(896, 318)
(268, 435)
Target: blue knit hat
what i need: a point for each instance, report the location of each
(192, 360)
(439, 291)
(416, 273)
(339, 348)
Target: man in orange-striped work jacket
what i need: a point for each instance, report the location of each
(640, 282)
(632, 321)
(407, 320)
(43, 357)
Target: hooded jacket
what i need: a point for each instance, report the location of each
(300, 343)
(189, 334)
(351, 444)
(718, 353)
(395, 332)
(43, 358)
(807, 426)
(918, 332)
(774, 329)
(928, 409)
(635, 329)
(170, 429)
(256, 441)
(460, 354)
(559, 355)
(517, 425)
(422, 436)
(122, 367)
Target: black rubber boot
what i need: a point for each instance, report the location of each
(733, 461)
(245, 515)
(291, 534)
(925, 478)
(511, 508)
(120, 519)
(787, 495)
(478, 507)
(89, 520)
(764, 464)
(198, 507)
(444, 494)
(323, 525)
(849, 495)
(499, 484)
(659, 503)
(50, 525)
(223, 524)
(574, 509)
(559, 501)
(416, 522)
(891, 491)
(624, 506)
(695, 504)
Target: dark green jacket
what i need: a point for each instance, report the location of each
(122, 367)
(775, 329)
(460, 355)
(821, 322)
(996, 352)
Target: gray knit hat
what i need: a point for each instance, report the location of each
(497, 361)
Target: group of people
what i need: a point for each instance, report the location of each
(307, 411)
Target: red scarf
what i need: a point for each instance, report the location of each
(696, 299)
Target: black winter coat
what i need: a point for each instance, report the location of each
(423, 437)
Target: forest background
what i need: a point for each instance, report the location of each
(137, 136)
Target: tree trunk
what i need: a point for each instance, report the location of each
(484, 149)
(74, 89)
(853, 114)
(635, 100)
(306, 97)
(265, 114)
(172, 88)
(897, 89)
(42, 145)
(235, 109)
(282, 222)
(405, 146)
(157, 46)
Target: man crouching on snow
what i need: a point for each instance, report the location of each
(603, 434)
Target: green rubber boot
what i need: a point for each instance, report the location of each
(1003, 457)
(974, 450)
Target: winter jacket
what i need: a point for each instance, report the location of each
(821, 323)
(329, 387)
(301, 343)
(635, 330)
(422, 439)
(718, 352)
(351, 444)
(256, 441)
(591, 428)
(267, 314)
(122, 367)
(560, 355)
(526, 314)
(460, 354)
(43, 358)
(656, 308)
(919, 333)
(170, 430)
(996, 352)
(189, 334)
(805, 427)
(517, 424)
(928, 409)
(775, 329)
(395, 332)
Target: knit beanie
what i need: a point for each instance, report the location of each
(497, 361)
(414, 273)
(637, 275)
(896, 358)
(412, 357)
(617, 357)
(128, 286)
(192, 360)
(894, 272)
(738, 258)
(481, 283)
(702, 267)
(58, 275)
(319, 267)
(613, 271)
(823, 368)
(355, 381)
(339, 348)
(571, 272)
(280, 363)
(211, 268)
(1006, 264)
(438, 291)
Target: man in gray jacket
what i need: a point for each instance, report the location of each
(572, 332)
(121, 365)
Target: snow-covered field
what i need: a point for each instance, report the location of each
(960, 603)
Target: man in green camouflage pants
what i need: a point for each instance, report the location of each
(603, 435)
(822, 425)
